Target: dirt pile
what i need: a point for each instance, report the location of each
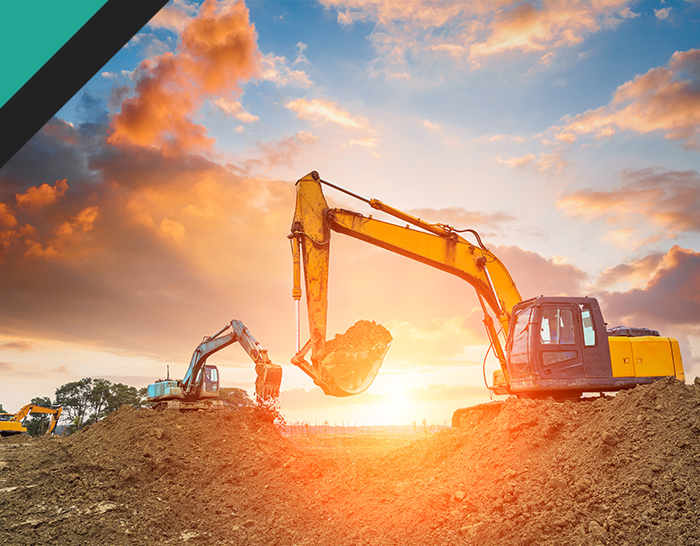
(620, 470)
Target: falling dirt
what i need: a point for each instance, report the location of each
(621, 470)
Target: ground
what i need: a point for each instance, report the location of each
(615, 470)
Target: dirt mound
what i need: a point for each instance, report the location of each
(615, 470)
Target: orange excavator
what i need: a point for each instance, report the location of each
(13, 423)
(546, 346)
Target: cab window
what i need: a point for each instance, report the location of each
(520, 331)
(557, 326)
(588, 328)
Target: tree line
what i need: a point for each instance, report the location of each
(85, 402)
(88, 400)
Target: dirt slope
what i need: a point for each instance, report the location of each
(622, 470)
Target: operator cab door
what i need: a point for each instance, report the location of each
(211, 378)
(559, 341)
(520, 343)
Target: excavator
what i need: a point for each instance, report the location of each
(11, 424)
(199, 389)
(546, 346)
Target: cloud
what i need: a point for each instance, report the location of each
(665, 99)
(460, 218)
(517, 162)
(42, 196)
(217, 51)
(662, 14)
(637, 272)
(326, 111)
(668, 199)
(670, 299)
(536, 275)
(174, 16)
(478, 32)
(235, 109)
(274, 153)
(434, 127)
(275, 69)
(145, 253)
(17, 345)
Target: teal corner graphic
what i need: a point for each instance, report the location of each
(32, 32)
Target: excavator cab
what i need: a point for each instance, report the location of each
(210, 382)
(560, 346)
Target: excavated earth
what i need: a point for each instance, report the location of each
(622, 470)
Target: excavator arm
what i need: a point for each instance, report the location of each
(436, 245)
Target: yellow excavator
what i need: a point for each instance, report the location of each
(13, 423)
(546, 346)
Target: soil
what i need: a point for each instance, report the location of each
(622, 470)
(349, 362)
(364, 335)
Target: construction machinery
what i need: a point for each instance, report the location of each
(546, 346)
(13, 423)
(199, 389)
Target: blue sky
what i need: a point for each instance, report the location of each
(565, 133)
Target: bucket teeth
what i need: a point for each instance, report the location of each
(269, 380)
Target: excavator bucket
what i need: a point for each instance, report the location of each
(348, 364)
(269, 380)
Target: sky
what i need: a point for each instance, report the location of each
(155, 206)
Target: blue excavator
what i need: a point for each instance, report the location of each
(199, 389)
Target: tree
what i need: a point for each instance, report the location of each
(2, 410)
(120, 394)
(38, 422)
(236, 398)
(75, 399)
(89, 400)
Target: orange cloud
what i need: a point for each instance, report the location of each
(218, 50)
(319, 110)
(669, 199)
(42, 196)
(7, 217)
(670, 298)
(235, 108)
(665, 99)
(477, 31)
(637, 272)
